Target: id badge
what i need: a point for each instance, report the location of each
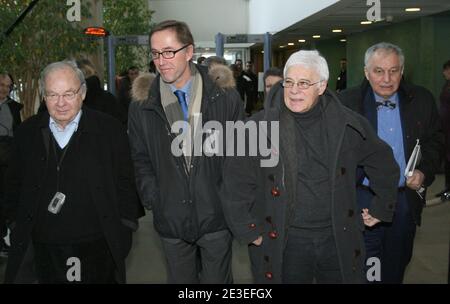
(56, 202)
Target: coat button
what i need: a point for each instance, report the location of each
(252, 225)
(343, 170)
(391, 206)
(350, 212)
(345, 229)
(30, 217)
(273, 234)
(272, 177)
(269, 275)
(275, 191)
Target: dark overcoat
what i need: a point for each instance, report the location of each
(105, 159)
(261, 200)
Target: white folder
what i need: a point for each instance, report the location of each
(413, 161)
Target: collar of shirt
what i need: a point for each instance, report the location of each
(62, 136)
(186, 89)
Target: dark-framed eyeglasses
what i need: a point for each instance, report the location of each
(167, 54)
(302, 84)
(68, 96)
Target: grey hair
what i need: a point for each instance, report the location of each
(387, 47)
(309, 59)
(60, 65)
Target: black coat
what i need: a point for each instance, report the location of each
(104, 156)
(15, 109)
(184, 207)
(5, 142)
(419, 119)
(103, 101)
(261, 200)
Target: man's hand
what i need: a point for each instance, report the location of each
(415, 181)
(258, 241)
(369, 221)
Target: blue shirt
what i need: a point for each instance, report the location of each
(63, 136)
(186, 89)
(390, 130)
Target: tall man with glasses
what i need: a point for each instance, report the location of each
(70, 190)
(181, 189)
(401, 113)
(300, 216)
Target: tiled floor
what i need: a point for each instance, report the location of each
(429, 264)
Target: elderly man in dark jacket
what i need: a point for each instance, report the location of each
(402, 114)
(181, 186)
(299, 215)
(70, 191)
(9, 121)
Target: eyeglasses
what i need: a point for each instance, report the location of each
(302, 84)
(167, 54)
(68, 96)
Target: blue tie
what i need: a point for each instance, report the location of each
(182, 100)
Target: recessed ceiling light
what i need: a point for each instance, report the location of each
(262, 52)
(291, 43)
(302, 40)
(337, 31)
(316, 36)
(412, 9)
(206, 49)
(343, 40)
(282, 46)
(366, 22)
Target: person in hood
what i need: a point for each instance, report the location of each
(179, 186)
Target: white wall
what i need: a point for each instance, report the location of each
(276, 15)
(205, 18)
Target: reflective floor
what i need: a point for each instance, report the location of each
(429, 265)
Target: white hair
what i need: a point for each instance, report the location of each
(387, 47)
(309, 59)
(59, 65)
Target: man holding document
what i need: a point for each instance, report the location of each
(404, 115)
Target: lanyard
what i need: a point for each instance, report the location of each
(61, 159)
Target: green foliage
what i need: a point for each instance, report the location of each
(44, 36)
(128, 17)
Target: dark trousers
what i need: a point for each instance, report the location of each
(392, 242)
(96, 263)
(3, 227)
(207, 261)
(311, 255)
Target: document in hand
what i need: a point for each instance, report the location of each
(413, 161)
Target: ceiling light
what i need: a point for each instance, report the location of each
(412, 9)
(282, 46)
(302, 40)
(291, 43)
(262, 52)
(366, 22)
(316, 36)
(343, 40)
(337, 31)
